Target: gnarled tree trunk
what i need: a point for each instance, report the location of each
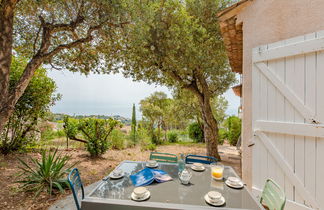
(6, 31)
(210, 127)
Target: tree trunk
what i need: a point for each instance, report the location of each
(7, 8)
(7, 105)
(210, 127)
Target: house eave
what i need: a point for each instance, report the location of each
(232, 33)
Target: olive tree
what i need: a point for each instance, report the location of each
(32, 106)
(178, 43)
(78, 35)
(153, 109)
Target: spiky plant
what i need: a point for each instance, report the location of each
(48, 174)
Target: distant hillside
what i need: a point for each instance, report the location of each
(124, 120)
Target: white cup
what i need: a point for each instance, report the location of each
(151, 162)
(117, 172)
(233, 180)
(140, 192)
(214, 196)
(198, 165)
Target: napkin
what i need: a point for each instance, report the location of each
(147, 176)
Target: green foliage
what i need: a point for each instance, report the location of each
(173, 136)
(151, 147)
(156, 138)
(48, 174)
(117, 140)
(195, 132)
(179, 44)
(219, 107)
(173, 41)
(233, 126)
(187, 107)
(49, 134)
(97, 56)
(32, 105)
(222, 136)
(96, 132)
(154, 111)
(70, 127)
(133, 129)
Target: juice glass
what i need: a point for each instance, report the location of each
(217, 171)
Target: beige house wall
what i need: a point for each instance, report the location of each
(267, 21)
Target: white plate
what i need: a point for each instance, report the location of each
(236, 186)
(147, 195)
(219, 203)
(156, 165)
(112, 176)
(197, 169)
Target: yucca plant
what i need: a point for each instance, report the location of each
(48, 174)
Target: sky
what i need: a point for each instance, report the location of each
(108, 94)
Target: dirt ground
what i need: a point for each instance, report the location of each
(91, 170)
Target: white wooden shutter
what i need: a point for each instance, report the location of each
(288, 118)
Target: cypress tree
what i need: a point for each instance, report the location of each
(133, 130)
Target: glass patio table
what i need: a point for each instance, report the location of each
(115, 194)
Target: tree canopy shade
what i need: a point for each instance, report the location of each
(178, 44)
(77, 35)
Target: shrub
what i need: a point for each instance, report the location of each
(48, 174)
(117, 140)
(70, 127)
(222, 136)
(233, 125)
(150, 146)
(155, 138)
(195, 132)
(95, 131)
(172, 136)
(49, 134)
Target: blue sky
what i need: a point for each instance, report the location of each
(107, 94)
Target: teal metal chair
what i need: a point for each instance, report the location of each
(164, 157)
(76, 185)
(200, 159)
(273, 197)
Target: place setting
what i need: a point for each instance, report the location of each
(214, 198)
(199, 167)
(152, 164)
(234, 182)
(140, 194)
(115, 174)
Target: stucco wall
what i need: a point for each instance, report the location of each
(267, 21)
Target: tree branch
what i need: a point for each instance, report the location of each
(36, 38)
(70, 45)
(110, 130)
(79, 140)
(85, 133)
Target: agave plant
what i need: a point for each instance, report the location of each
(48, 174)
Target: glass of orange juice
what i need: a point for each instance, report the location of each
(217, 171)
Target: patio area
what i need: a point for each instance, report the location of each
(230, 156)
